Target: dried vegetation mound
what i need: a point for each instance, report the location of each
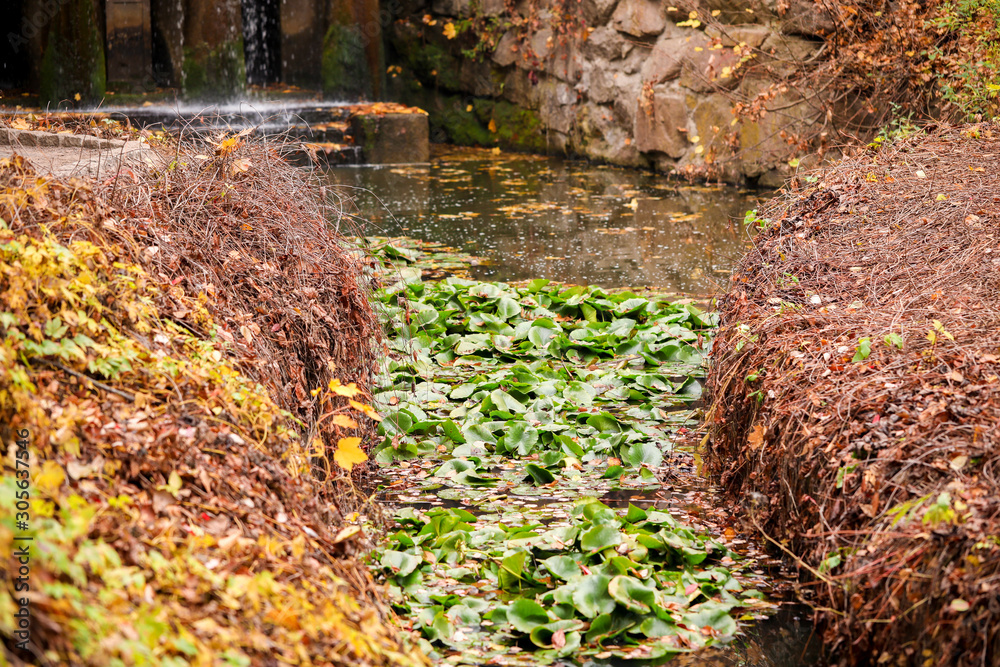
(856, 394)
(159, 334)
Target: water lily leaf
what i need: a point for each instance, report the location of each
(399, 562)
(563, 567)
(599, 538)
(521, 438)
(605, 422)
(645, 452)
(589, 594)
(508, 308)
(451, 430)
(608, 625)
(526, 615)
(474, 432)
(512, 569)
(632, 594)
(538, 475)
(550, 634)
(536, 285)
(654, 627)
(613, 471)
(579, 393)
(714, 616)
(635, 514)
(463, 391)
(506, 402)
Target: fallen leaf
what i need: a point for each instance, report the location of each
(349, 453)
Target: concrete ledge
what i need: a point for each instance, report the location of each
(34, 138)
(392, 138)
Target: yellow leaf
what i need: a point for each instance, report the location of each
(345, 421)
(50, 478)
(77, 97)
(941, 197)
(350, 391)
(468, 108)
(716, 12)
(349, 453)
(449, 30)
(367, 409)
(493, 125)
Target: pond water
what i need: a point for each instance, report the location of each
(542, 217)
(531, 217)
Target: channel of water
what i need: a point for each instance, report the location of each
(530, 217)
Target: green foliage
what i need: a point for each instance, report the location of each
(597, 581)
(543, 367)
(969, 75)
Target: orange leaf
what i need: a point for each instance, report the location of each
(345, 421)
(350, 391)
(367, 409)
(349, 453)
(756, 438)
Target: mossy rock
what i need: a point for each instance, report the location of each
(73, 62)
(218, 73)
(428, 58)
(345, 70)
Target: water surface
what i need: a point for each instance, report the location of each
(544, 217)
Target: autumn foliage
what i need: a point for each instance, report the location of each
(163, 333)
(856, 389)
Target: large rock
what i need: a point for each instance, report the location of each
(564, 62)
(664, 61)
(712, 117)
(788, 50)
(706, 68)
(464, 8)
(606, 43)
(600, 136)
(479, 78)
(639, 18)
(395, 138)
(508, 49)
(520, 88)
(809, 18)
(762, 146)
(542, 43)
(731, 35)
(597, 12)
(659, 121)
(72, 48)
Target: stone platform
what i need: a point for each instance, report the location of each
(320, 134)
(67, 155)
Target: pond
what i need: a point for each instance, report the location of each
(543, 217)
(539, 440)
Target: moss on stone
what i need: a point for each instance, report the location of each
(218, 73)
(516, 127)
(431, 62)
(345, 70)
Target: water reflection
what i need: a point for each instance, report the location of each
(541, 217)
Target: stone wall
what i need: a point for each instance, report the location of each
(644, 83)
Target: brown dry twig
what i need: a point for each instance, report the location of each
(855, 384)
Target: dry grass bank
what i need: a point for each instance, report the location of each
(179, 346)
(855, 387)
